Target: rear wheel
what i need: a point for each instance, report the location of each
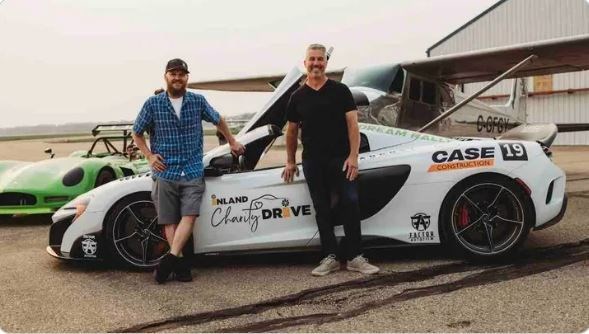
(105, 175)
(135, 239)
(487, 217)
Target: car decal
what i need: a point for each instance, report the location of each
(239, 209)
(89, 245)
(513, 152)
(403, 133)
(464, 158)
(421, 222)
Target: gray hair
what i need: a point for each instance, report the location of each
(316, 46)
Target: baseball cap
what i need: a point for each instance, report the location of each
(177, 64)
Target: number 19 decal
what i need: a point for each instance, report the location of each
(513, 151)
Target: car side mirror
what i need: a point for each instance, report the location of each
(223, 163)
(50, 152)
(241, 162)
(221, 158)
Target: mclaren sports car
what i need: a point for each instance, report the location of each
(480, 197)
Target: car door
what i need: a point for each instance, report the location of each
(255, 209)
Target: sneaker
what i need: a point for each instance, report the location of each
(165, 268)
(182, 270)
(360, 264)
(327, 265)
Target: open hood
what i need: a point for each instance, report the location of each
(274, 112)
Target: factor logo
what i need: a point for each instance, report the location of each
(420, 221)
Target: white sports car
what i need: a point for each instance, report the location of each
(479, 196)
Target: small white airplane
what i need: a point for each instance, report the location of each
(423, 95)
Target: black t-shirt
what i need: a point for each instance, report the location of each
(322, 115)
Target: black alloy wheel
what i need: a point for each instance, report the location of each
(135, 237)
(489, 218)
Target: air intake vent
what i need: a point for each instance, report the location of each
(549, 194)
(135, 176)
(17, 199)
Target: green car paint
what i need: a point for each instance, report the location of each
(44, 181)
(44, 186)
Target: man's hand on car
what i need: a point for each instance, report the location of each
(289, 172)
(237, 148)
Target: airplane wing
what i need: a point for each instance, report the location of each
(252, 84)
(553, 56)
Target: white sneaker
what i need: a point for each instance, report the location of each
(327, 265)
(360, 263)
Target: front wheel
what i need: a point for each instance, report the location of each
(487, 217)
(134, 237)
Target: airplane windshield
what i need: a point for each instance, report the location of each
(382, 77)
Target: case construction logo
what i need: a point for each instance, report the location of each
(472, 157)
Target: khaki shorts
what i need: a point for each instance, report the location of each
(176, 199)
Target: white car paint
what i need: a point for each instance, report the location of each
(244, 225)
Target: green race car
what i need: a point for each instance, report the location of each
(44, 186)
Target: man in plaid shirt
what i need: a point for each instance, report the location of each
(174, 121)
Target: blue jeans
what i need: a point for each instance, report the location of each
(335, 199)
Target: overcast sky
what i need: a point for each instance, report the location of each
(79, 60)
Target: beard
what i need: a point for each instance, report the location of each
(175, 91)
(316, 71)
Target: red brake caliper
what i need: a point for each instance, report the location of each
(161, 247)
(464, 220)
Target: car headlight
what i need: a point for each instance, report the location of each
(79, 205)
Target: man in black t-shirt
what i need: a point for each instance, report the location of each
(326, 112)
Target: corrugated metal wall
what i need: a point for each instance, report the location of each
(562, 108)
(520, 21)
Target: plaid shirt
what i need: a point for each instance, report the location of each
(178, 141)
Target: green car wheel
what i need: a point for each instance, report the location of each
(104, 176)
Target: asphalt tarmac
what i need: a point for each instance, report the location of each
(546, 289)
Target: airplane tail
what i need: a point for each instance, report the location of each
(516, 105)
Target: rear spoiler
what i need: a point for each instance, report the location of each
(572, 127)
(126, 128)
(541, 133)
